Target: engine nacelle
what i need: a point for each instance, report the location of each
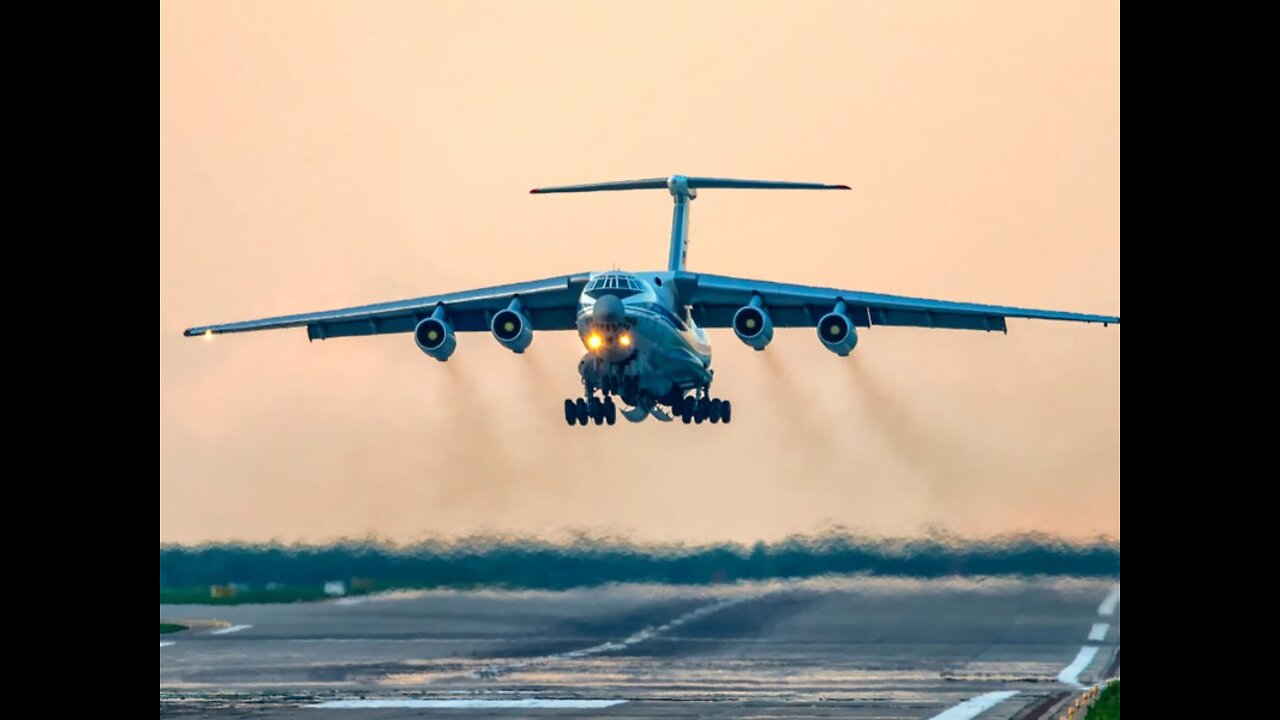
(753, 325)
(434, 336)
(512, 329)
(837, 332)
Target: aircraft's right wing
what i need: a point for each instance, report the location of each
(550, 304)
(715, 298)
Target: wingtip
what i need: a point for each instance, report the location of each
(841, 187)
(535, 191)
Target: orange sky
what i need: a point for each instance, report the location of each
(322, 154)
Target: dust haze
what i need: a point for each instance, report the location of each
(323, 154)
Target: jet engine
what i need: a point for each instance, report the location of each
(434, 336)
(836, 331)
(512, 328)
(752, 324)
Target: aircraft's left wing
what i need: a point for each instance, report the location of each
(550, 304)
(715, 298)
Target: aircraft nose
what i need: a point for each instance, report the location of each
(609, 309)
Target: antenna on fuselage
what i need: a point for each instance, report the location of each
(683, 190)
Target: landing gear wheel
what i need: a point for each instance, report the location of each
(584, 412)
(726, 411)
(570, 412)
(700, 410)
(597, 411)
(610, 411)
(714, 414)
(686, 409)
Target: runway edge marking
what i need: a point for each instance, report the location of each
(1108, 606)
(975, 706)
(1071, 673)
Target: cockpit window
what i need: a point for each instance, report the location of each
(619, 284)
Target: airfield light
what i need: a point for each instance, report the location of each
(594, 341)
(624, 340)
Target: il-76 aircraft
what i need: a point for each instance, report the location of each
(645, 332)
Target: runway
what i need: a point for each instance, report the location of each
(845, 647)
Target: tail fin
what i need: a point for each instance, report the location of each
(683, 189)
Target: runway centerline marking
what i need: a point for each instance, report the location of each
(522, 703)
(1108, 606)
(1099, 631)
(974, 706)
(167, 643)
(635, 638)
(1071, 673)
(229, 630)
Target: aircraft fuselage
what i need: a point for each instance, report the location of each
(642, 345)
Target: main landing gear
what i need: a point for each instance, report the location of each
(699, 409)
(582, 411)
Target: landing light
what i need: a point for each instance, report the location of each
(208, 334)
(594, 341)
(624, 340)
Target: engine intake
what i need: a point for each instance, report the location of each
(752, 324)
(511, 328)
(434, 336)
(836, 331)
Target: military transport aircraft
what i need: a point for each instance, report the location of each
(645, 331)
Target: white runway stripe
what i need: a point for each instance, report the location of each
(974, 706)
(167, 643)
(1071, 673)
(635, 638)
(229, 630)
(474, 703)
(1108, 606)
(1099, 631)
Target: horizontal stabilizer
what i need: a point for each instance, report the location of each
(677, 183)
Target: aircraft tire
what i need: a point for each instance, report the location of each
(570, 412)
(690, 404)
(597, 411)
(610, 411)
(584, 412)
(726, 411)
(713, 413)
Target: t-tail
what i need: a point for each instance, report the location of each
(683, 189)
